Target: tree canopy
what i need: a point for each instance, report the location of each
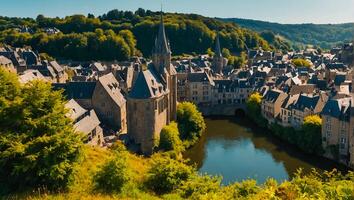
(170, 139)
(190, 122)
(38, 145)
(299, 62)
(118, 35)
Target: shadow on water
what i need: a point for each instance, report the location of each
(226, 137)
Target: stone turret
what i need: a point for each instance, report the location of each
(218, 59)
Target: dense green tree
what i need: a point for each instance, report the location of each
(114, 174)
(169, 138)
(190, 121)
(38, 145)
(166, 174)
(310, 138)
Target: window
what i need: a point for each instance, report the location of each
(342, 140)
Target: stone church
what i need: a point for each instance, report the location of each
(219, 62)
(152, 101)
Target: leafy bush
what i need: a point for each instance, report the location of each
(191, 123)
(299, 62)
(169, 138)
(113, 174)
(166, 174)
(38, 145)
(200, 185)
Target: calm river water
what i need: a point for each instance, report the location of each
(237, 150)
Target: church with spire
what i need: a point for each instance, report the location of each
(219, 62)
(152, 101)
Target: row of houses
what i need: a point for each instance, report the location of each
(290, 93)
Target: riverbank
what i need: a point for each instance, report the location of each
(306, 139)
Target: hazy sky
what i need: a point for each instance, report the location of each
(283, 11)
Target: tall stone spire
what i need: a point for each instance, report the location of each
(161, 54)
(217, 47)
(161, 44)
(218, 60)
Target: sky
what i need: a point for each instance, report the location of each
(282, 11)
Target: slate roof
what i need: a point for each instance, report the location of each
(76, 90)
(161, 43)
(272, 95)
(111, 86)
(297, 89)
(30, 75)
(30, 57)
(97, 66)
(289, 101)
(75, 110)
(88, 123)
(57, 68)
(4, 60)
(199, 77)
(338, 108)
(339, 79)
(146, 86)
(217, 47)
(307, 101)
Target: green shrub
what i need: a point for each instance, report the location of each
(166, 174)
(113, 175)
(169, 138)
(190, 121)
(200, 185)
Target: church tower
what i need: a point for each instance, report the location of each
(218, 59)
(161, 54)
(161, 60)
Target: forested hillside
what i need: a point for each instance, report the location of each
(322, 35)
(119, 35)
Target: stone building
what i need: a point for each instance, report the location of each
(152, 101)
(271, 104)
(199, 88)
(336, 128)
(85, 122)
(109, 102)
(7, 64)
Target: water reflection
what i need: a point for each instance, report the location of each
(237, 150)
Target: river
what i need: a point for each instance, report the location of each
(236, 149)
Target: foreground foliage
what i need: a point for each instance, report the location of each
(191, 123)
(162, 177)
(115, 173)
(38, 146)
